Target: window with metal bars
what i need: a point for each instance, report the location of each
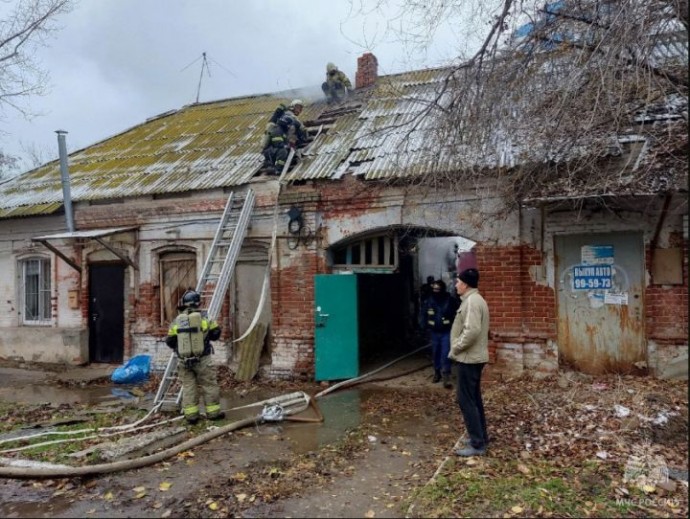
(36, 291)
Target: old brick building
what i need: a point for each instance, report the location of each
(598, 289)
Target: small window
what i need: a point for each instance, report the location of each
(36, 290)
(178, 274)
(378, 252)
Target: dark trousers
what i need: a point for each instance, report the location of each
(440, 347)
(469, 398)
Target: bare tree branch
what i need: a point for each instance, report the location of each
(555, 91)
(26, 26)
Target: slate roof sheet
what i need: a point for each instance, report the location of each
(217, 144)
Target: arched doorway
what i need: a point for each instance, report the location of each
(367, 309)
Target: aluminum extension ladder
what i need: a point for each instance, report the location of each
(213, 282)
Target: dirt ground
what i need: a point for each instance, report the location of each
(382, 444)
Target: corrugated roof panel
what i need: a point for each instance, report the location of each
(30, 210)
(319, 167)
(217, 144)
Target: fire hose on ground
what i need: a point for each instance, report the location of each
(274, 409)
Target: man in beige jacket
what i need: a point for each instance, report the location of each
(469, 348)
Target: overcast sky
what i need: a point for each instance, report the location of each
(115, 63)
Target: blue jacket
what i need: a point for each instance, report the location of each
(438, 312)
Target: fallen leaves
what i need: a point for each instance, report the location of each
(572, 439)
(238, 477)
(139, 492)
(564, 446)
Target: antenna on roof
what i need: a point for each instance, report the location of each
(204, 63)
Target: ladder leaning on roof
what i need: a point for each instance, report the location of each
(214, 280)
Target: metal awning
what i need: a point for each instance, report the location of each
(92, 234)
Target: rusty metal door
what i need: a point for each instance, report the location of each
(599, 280)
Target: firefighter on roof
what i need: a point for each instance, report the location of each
(283, 132)
(190, 335)
(336, 86)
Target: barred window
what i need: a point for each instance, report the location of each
(178, 274)
(36, 290)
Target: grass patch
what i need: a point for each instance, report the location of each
(493, 487)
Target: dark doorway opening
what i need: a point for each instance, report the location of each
(106, 312)
(386, 314)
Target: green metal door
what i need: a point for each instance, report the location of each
(336, 331)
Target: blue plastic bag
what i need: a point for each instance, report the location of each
(136, 370)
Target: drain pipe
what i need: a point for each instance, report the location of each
(64, 174)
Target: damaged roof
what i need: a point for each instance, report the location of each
(217, 144)
(198, 147)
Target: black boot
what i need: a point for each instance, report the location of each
(446, 381)
(217, 416)
(437, 377)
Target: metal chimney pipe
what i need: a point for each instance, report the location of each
(64, 173)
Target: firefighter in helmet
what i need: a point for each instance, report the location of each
(190, 336)
(337, 85)
(284, 131)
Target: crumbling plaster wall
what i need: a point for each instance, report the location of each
(514, 253)
(350, 207)
(515, 256)
(61, 340)
(176, 223)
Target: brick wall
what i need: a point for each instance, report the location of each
(367, 70)
(139, 212)
(523, 312)
(523, 309)
(160, 353)
(292, 303)
(667, 305)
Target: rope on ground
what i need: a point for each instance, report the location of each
(280, 407)
(99, 431)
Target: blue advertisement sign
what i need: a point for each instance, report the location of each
(597, 254)
(592, 277)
